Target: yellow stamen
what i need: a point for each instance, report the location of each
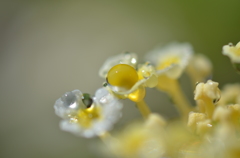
(172, 88)
(86, 116)
(143, 108)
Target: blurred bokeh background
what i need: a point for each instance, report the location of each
(50, 47)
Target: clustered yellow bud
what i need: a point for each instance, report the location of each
(233, 52)
(209, 93)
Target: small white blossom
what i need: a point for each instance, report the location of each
(171, 59)
(103, 112)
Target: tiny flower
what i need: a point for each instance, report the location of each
(178, 140)
(221, 114)
(155, 121)
(199, 68)
(171, 59)
(88, 116)
(207, 90)
(233, 52)
(204, 126)
(199, 123)
(235, 114)
(141, 140)
(148, 72)
(229, 114)
(194, 118)
(124, 80)
(230, 94)
(235, 111)
(209, 93)
(217, 147)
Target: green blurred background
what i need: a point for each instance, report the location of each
(50, 47)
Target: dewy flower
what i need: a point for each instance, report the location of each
(124, 80)
(171, 59)
(230, 94)
(88, 116)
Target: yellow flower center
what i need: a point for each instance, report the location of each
(86, 116)
(122, 75)
(167, 62)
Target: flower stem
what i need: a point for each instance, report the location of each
(143, 108)
(173, 89)
(180, 100)
(209, 106)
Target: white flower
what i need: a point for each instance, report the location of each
(91, 116)
(233, 52)
(123, 78)
(171, 59)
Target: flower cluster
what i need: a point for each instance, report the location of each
(210, 128)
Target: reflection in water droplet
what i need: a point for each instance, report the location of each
(70, 100)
